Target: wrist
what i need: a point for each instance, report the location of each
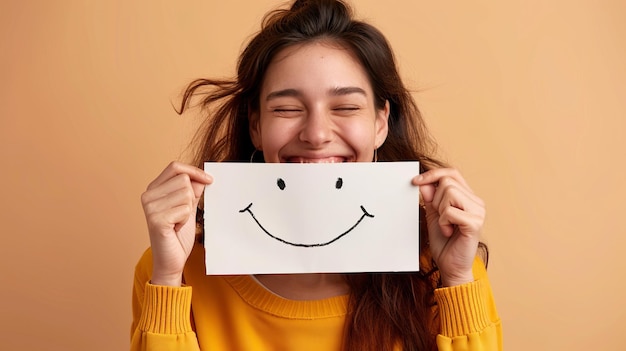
(164, 280)
(455, 280)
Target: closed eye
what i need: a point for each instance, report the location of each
(287, 112)
(346, 110)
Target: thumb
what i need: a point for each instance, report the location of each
(198, 188)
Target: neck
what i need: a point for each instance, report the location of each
(314, 286)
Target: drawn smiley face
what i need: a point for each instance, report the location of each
(282, 185)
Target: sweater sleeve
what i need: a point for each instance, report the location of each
(469, 320)
(161, 315)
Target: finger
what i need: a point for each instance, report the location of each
(177, 168)
(430, 181)
(455, 194)
(468, 223)
(434, 176)
(198, 189)
(446, 228)
(451, 193)
(457, 199)
(169, 219)
(432, 216)
(183, 196)
(179, 181)
(428, 192)
(434, 193)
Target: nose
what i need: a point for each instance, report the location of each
(317, 128)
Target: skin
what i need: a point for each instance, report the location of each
(316, 105)
(170, 204)
(455, 217)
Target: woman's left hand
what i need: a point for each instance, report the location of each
(455, 219)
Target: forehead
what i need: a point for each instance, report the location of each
(320, 64)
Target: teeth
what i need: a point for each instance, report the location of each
(316, 160)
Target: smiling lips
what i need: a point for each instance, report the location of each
(332, 159)
(365, 213)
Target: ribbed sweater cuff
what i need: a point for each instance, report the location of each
(166, 310)
(462, 309)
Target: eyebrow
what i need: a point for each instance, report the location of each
(339, 91)
(282, 93)
(347, 91)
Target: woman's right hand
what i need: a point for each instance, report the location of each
(170, 203)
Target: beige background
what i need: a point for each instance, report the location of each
(527, 98)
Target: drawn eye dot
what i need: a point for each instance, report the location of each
(281, 183)
(339, 183)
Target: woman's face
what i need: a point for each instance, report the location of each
(317, 105)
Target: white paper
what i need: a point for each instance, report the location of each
(311, 218)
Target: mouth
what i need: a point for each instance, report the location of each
(330, 159)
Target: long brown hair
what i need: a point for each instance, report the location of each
(385, 310)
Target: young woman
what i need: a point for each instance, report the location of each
(314, 85)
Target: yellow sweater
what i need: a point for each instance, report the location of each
(236, 313)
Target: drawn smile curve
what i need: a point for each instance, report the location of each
(365, 213)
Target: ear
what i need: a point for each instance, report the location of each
(382, 125)
(254, 126)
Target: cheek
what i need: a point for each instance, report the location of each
(359, 134)
(275, 134)
(361, 138)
